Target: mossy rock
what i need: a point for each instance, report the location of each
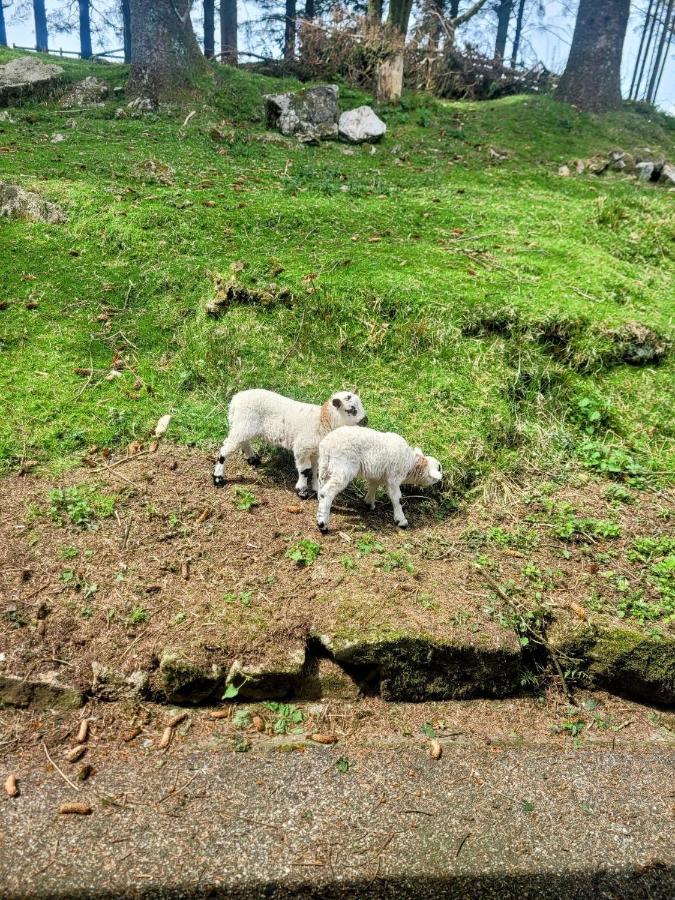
(417, 667)
(274, 679)
(39, 693)
(182, 681)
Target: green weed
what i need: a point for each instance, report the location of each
(244, 500)
(289, 718)
(304, 552)
(81, 505)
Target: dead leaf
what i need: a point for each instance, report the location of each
(131, 733)
(258, 723)
(203, 516)
(162, 425)
(578, 611)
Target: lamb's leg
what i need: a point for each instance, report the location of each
(252, 458)
(230, 446)
(394, 491)
(327, 493)
(370, 496)
(315, 474)
(303, 463)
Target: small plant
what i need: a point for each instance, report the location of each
(532, 572)
(611, 461)
(241, 718)
(348, 564)
(68, 552)
(179, 618)
(244, 597)
(15, 618)
(86, 612)
(527, 806)
(304, 552)
(426, 601)
(343, 765)
(591, 413)
(368, 544)
(289, 718)
(79, 505)
(243, 499)
(617, 493)
(138, 616)
(428, 730)
(573, 727)
(396, 560)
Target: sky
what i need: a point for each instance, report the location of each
(547, 41)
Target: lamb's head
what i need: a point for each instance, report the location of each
(425, 471)
(346, 409)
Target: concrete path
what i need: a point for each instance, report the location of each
(523, 822)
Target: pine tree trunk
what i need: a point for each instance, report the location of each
(289, 30)
(633, 85)
(504, 11)
(517, 35)
(41, 36)
(85, 30)
(592, 77)
(656, 69)
(648, 46)
(209, 29)
(3, 29)
(453, 12)
(375, 8)
(228, 32)
(164, 50)
(126, 30)
(436, 10)
(310, 9)
(399, 15)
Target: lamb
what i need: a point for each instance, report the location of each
(286, 423)
(382, 458)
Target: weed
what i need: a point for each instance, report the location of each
(343, 765)
(138, 616)
(79, 505)
(289, 718)
(573, 727)
(244, 500)
(428, 730)
(15, 618)
(241, 744)
(68, 552)
(368, 544)
(86, 612)
(304, 552)
(243, 597)
(241, 718)
(568, 526)
(395, 560)
(527, 806)
(348, 564)
(592, 413)
(611, 461)
(649, 548)
(426, 601)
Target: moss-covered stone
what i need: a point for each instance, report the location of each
(274, 679)
(182, 681)
(45, 692)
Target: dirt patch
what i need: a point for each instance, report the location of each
(140, 578)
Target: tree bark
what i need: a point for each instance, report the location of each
(504, 11)
(228, 32)
(289, 30)
(453, 12)
(126, 30)
(648, 46)
(517, 35)
(85, 30)
(374, 11)
(310, 9)
(592, 77)
(41, 35)
(209, 29)
(665, 57)
(399, 15)
(656, 69)
(164, 50)
(3, 29)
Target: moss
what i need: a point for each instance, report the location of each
(184, 682)
(39, 693)
(633, 664)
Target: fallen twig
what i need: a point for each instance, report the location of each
(64, 776)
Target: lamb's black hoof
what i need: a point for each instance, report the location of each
(402, 524)
(218, 481)
(323, 528)
(254, 461)
(302, 494)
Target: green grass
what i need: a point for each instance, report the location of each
(390, 259)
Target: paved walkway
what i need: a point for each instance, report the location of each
(525, 822)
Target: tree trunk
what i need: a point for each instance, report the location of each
(390, 78)
(41, 36)
(665, 58)
(648, 46)
(289, 30)
(374, 12)
(228, 32)
(85, 30)
(504, 11)
(453, 12)
(3, 30)
(399, 15)
(209, 29)
(656, 70)
(633, 85)
(164, 50)
(310, 9)
(126, 30)
(592, 77)
(517, 35)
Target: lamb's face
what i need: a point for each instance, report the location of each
(427, 470)
(349, 408)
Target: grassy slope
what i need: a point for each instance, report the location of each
(384, 316)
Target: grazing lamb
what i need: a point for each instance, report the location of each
(382, 458)
(286, 423)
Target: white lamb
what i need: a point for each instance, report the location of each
(286, 423)
(382, 458)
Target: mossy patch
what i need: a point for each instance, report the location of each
(182, 681)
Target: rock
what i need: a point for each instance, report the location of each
(645, 170)
(360, 125)
(5, 117)
(15, 203)
(181, 681)
(142, 104)
(310, 115)
(579, 166)
(272, 679)
(598, 165)
(57, 138)
(121, 113)
(86, 93)
(110, 684)
(41, 692)
(564, 171)
(27, 78)
(667, 175)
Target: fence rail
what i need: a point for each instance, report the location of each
(104, 54)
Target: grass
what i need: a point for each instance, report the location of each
(389, 260)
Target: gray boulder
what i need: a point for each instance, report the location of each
(26, 78)
(645, 170)
(15, 203)
(89, 92)
(360, 125)
(310, 115)
(667, 174)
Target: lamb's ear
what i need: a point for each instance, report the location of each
(337, 403)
